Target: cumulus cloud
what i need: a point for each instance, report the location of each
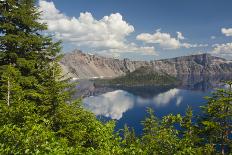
(166, 41)
(223, 49)
(227, 31)
(111, 104)
(108, 33)
(180, 36)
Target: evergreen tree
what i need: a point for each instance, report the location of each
(159, 136)
(37, 114)
(130, 143)
(217, 120)
(25, 48)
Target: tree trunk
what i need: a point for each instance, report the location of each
(223, 149)
(8, 92)
(223, 144)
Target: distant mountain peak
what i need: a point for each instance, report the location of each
(77, 51)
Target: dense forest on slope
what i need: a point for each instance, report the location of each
(142, 76)
(39, 117)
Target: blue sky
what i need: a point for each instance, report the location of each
(148, 29)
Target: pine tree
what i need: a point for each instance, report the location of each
(27, 59)
(160, 136)
(35, 56)
(39, 117)
(217, 120)
(37, 114)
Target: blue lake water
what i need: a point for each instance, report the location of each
(128, 105)
(130, 109)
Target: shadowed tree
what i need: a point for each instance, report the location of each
(217, 120)
(37, 116)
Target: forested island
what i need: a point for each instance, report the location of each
(143, 76)
(39, 117)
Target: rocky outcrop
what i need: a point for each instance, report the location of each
(81, 65)
(84, 66)
(194, 64)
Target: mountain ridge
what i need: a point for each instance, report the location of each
(80, 65)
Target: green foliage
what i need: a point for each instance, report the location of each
(172, 135)
(141, 77)
(39, 117)
(217, 123)
(37, 114)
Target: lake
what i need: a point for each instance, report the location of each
(128, 105)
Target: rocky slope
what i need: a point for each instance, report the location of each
(85, 66)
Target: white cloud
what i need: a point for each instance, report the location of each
(130, 47)
(180, 36)
(223, 49)
(166, 41)
(108, 33)
(187, 45)
(212, 37)
(227, 32)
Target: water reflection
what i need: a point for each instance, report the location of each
(86, 88)
(202, 82)
(163, 99)
(114, 104)
(111, 104)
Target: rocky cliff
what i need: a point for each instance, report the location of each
(84, 66)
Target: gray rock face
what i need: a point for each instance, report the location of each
(85, 66)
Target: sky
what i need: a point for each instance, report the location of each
(141, 29)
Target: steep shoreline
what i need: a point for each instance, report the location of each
(79, 65)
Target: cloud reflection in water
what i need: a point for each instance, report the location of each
(114, 104)
(163, 99)
(111, 104)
